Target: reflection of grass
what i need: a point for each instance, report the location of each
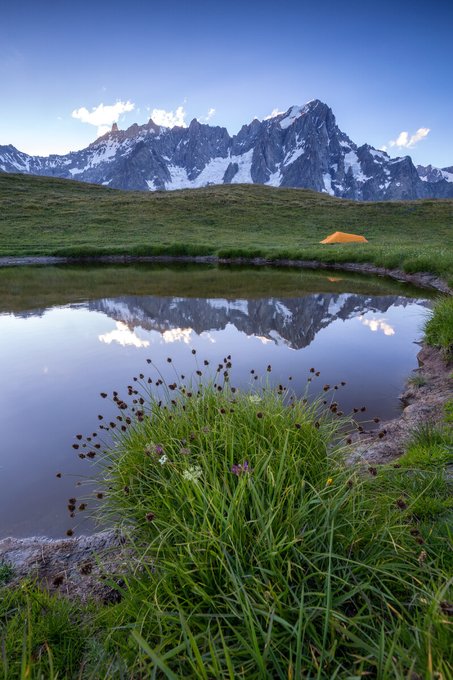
(258, 555)
(43, 216)
(25, 288)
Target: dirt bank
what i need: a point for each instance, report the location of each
(84, 567)
(427, 390)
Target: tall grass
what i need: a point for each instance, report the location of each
(439, 327)
(259, 554)
(254, 552)
(40, 636)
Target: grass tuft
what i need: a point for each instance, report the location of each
(259, 552)
(255, 553)
(439, 328)
(41, 636)
(6, 573)
(431, 447)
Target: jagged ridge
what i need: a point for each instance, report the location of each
(303, 147)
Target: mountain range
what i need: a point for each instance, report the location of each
(302, 147)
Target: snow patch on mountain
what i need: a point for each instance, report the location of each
(351, 161)
(293, 113)
(378, 155)
(293, 154)
(275, 179)
(244, 173)
(327, 179)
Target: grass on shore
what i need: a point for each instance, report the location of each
(258, 553)
(439, 327)
(46, 216)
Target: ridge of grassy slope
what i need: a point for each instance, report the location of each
(47, 216)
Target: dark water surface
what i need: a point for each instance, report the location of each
(68, 333)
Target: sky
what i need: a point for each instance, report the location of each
(68, 70)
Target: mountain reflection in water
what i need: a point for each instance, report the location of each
(291, 321)
(57, 359)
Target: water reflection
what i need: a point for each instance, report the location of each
(293, 322)
(378, 325)
(55, 360)
(123, 335)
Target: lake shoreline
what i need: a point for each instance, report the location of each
(81, 567)
(423, 401)
(422, 279)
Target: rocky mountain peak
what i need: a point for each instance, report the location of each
(303, 147)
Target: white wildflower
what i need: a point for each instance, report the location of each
(193, 473)
(163, 459)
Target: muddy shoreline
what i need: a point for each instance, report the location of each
(91, 566)
(423, 279)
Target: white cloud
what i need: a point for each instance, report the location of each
(275, 112)
(404, 140)
(169, 118)
(103, 116)
(211, 113)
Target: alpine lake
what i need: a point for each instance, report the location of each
(70, 333)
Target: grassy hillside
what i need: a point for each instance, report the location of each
(41, 215)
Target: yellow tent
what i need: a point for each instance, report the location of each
(341, 237)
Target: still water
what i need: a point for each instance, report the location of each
(69, 333)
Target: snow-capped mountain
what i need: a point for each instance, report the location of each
(303, 147)
(430, 174)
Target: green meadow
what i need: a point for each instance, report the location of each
(46, 216)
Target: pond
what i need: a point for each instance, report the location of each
(69, 333)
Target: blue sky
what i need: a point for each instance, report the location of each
(384, 69)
